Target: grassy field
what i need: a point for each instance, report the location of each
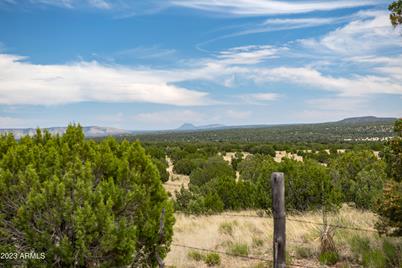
(252, 236)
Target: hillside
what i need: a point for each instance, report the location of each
(350, 129)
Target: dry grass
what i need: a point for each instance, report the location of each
(282, 154)
(222, 232)
(175, 180)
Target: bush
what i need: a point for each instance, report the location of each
(393, 253)
(214, 167)
(239, 249)
(212, 259)
(82, 203)
(329, 258)
(161, 165)
(195, 255)
(184, 166)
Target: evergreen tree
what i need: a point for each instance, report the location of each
(80, 202)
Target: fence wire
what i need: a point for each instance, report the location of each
(238, 256)
(302, 221)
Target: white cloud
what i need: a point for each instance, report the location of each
(247, 54)
(25, 83)
(268, 7)
(60, 3)
(259, 98)
(356, 85)
(101, 4)
(368, 35)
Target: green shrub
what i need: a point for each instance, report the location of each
(329, 258)
(393, 253)
(239, 249)
(195, 255)
(374, 259)
(83, 203)
(212, 259)
(359, 246)
(214, 167)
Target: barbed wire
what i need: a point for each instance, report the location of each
(333, 225)
(299, 220)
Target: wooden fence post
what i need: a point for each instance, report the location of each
(278, 211)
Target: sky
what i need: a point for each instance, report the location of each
(156, 64)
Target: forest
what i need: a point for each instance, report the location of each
(100, 203)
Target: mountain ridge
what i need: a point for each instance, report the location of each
(97, 131)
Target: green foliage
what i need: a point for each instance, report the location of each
(390, 209)
(367, 187)
(264, 149)
(236, 160)
(386, 254)
(186, 165)
(195, 255)
(393, 154)
(390, 206)
(392, 253)
(161, 165)
(214, 167)
(280, 135)
(360, 176)
(328, 258)
(212, 259)
(238, 249)
(396, 12)
(82, 203)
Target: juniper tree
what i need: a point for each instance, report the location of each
(80, 202)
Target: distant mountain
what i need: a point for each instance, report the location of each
(91, 131)
(365, 119)
(191, 127)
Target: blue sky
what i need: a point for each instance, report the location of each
(158, 64)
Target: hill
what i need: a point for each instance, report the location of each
(191, 127)
(350, 129)
(366, 119)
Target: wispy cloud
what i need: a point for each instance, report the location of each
(259, 98)
(222, 7)
(268, 7)
(101, 4)
(369, 35)
(26, 83)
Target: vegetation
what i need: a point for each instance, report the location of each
(99, 202)
(396, 12)
(320, 133)
(390, 206)
(80, 202)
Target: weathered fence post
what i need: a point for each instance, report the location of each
(278, 211)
